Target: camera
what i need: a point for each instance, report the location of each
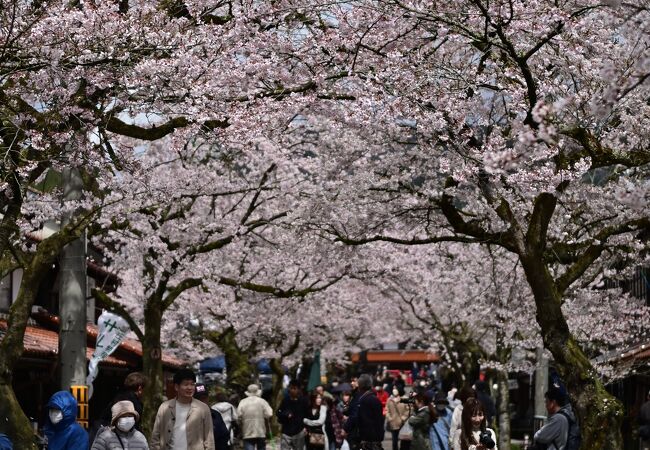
(410, 400)
(486, 439)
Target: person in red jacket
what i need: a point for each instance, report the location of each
(382, 395)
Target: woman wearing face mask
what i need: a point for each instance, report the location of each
(61, 427)
(396, 414)
(121, 434)
(474, 433)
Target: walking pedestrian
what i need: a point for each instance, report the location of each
(344, 404)
(183, 423)
(474, 435)
(366, 419)
(132, 390)
(465, 393)
(383, 396)
(439, 434)
(219, 429)
(61, 427)
(554, 435)
(121, 434)
(334, 426)
(425, 416)
(291, 413)
(396, 414)
(315, 422)
(228, 414)
(253, 411)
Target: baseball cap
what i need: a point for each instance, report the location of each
(201, 390)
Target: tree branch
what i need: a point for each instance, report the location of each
(107, 302)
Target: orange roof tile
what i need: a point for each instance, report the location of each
(39, 341)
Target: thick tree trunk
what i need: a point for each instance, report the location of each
(152, 364)
(278, 392)
(600, 414)
(240, 371)
(18, 427)
(503, 410)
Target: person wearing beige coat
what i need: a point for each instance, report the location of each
(183, 423)
(253, 412)
(396, 414)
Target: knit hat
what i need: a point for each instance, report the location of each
(123, 408)
(253, 389)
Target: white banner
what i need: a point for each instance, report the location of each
(112, 329)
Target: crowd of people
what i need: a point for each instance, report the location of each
(354, 416)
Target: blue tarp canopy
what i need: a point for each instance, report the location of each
(263, 366)
(216, 364)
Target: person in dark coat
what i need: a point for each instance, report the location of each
(366, 417)
(425, 416)
(61, 427)
(291, 413)
(219, 428)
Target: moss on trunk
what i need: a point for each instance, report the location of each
(11, 347)
(600, 414)
(240, 371)
(16, 424)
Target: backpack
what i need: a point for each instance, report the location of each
(573, 439)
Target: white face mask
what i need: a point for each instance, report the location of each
(395, 392)
(125, 423)
(56, 416)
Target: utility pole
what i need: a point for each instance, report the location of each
(72, 296)
(541, 386)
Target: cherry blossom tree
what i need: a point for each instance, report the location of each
(475, 309)
(512, 124)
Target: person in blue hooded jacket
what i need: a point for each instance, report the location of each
(5, 442)
(61, 429)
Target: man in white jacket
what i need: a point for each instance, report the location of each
(253, 412)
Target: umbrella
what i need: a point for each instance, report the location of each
(342, 388)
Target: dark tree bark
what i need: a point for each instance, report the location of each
(18, 426)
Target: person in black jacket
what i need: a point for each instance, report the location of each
(291, 413)
(219, 428)
(366, 418)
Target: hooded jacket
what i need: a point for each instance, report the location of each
(5, 443)
(67, 434)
